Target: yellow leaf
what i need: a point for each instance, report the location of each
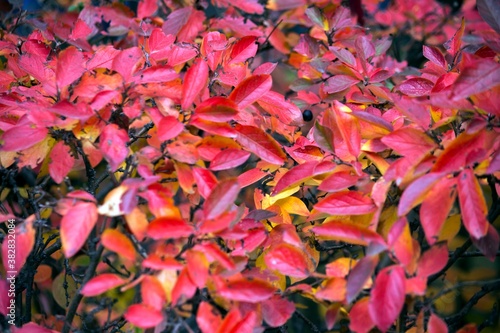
(293, 205)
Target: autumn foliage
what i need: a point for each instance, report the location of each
(242, 166)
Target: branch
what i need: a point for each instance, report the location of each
(95, 258)
(454, 321)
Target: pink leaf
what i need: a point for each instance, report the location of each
(251, 89)
(69, 66)
(22, 137)
(347, 232)
(143, 316)
(194, 81)
(76, 226)
(387, 297)
(260, 143)
(416, 87)
(229, 158)
(169, 127)
(113, 145)
(221, 198)
(414, 194)
(100, 284)
(472, 204)
(346, 203)
(61, 162)
(339, 83)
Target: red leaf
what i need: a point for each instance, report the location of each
(347, 232)
(480, 75)
(346, 203)
(454, 157)
(472, 204)
(115, 241)
(207, 318)
(416, 87)
(100, 284)
(103, 57)
(146, 8)
(275, 104)
(229, 158)
(251, 291)
(217, 109)
(409, 142)
(436, 325)
(159, 44)
(338, 181)
(194, 81)
(453, 45)
(360, 321)
(184, 288)
(288, 260)
(221, 198)
(169, 228)
(169, 127)
(61, 162)
(22, 137)
(143, 316)
(113, 144)
(295, 176)
(387, 297)
(436, 207)
(251, 89)
(233, 323)
(339, 83)
(76, 226)
(155, 262)
(243, 49)
(69, 66)
(260, 143)
(348, 128)
(433, 54)
(251, 176)
(414, 194)
(127, 61)
(205, 181)
(276, 311)
(433, 260)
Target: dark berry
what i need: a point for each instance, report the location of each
(307, 115)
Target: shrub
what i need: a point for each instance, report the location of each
(230, 166)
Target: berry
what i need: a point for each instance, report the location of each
(307, 115)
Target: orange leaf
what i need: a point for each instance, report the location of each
(115, 241)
